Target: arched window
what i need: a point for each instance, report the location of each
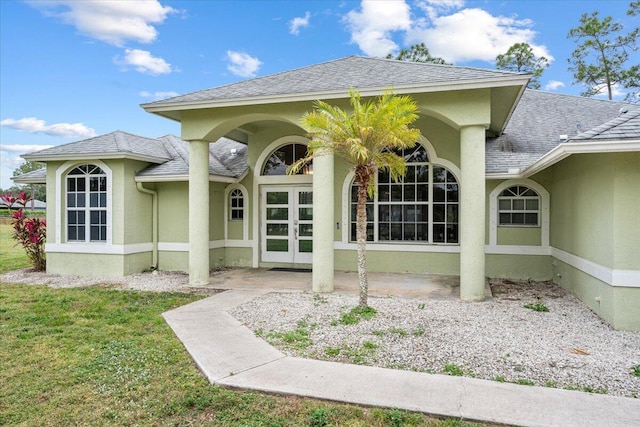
(86, 204)
(236, 205)
(519, 206)
(423, 207)
(284, 157)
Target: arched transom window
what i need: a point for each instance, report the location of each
(423, 207)
(284, 157)
(519, 206)
(86, 204)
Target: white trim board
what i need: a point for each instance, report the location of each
(98, 248)
(615, 278)
(213, 244)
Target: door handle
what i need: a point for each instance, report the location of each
(295, 233)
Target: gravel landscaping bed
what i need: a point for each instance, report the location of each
(567, 346)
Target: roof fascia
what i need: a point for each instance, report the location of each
(337, 94)
(94, 156)
(17, 180)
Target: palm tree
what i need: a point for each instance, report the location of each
(367, 138)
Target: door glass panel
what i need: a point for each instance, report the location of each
(277, 198)
(306, 230)
(305, 198)
(277, 213)
(305, 246)
(277, 229)
(305, 213)
(279, 245)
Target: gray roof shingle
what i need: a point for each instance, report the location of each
(114, 143)
(223, 161)
(537, 123)
(351, 72)
(625, 126)
(38, 176)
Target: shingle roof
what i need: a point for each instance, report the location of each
(625, 126)
(223, 161)
(227, 158)
(38, 176)
(114, 143)
(537, 123)
(341, 75)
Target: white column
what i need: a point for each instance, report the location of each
(198, 213)
(323, 223)
(472, 213)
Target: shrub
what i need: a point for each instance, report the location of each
(30, 233)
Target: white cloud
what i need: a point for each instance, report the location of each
(34, 125)
(449, 30)
(144, 62)
(372, 27)
(23, 148)
(474, 34)
(554, 85)
(242, 64)
(113, 22)
(296, 23)
(158, 95)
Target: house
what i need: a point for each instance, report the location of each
(505, 182)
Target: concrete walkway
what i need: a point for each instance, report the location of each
(230, 355)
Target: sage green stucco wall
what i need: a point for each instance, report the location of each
(401, 262)
(173, 211)
(130, 223)
(137, 211)
(582, 199)
(626, 228)
(594, 217)
(97, 265)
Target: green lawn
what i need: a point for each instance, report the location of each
(12, 257)
(102, 357)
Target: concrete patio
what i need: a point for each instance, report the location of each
(431, 286)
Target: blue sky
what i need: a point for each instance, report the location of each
(70, 70)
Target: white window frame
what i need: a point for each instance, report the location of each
(520, 190)
(60, 237)
(433, 161)
(544, 219)
(245, 210)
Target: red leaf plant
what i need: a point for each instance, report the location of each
(30, 233)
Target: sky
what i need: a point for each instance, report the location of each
(72, 69)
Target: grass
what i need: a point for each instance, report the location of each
(100, 357)
(539, 307)
(13, 257)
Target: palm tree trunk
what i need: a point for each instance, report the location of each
(361, 236)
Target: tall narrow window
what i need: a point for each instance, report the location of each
(519, 206)
(422, 207)
(87, 204)
(236, 205)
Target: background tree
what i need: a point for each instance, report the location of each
(600, 60)
(520, 58)
(418, 53)
(366, 138)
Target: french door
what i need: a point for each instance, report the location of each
(286, 224)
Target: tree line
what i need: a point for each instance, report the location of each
(600, 60)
